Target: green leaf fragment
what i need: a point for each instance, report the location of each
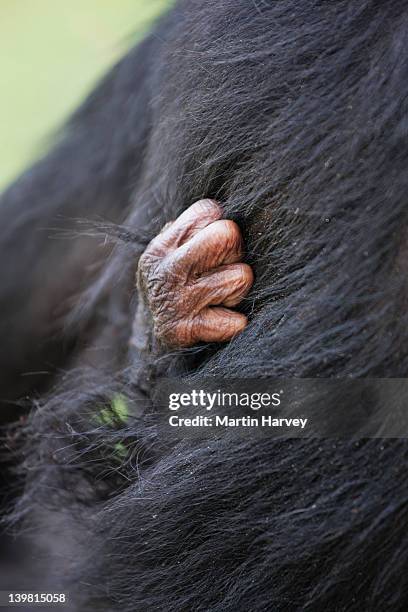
(117, 413)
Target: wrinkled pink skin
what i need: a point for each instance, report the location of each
(190, 277)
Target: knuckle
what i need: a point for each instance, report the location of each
(227, 331)
(246, 275)
(208, 206)
(230, 232)
(240, 278)
(238, 323)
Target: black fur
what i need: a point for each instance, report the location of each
(294, 115)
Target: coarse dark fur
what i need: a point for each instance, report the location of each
(294, 115)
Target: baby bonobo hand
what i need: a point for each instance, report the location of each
(191, 275)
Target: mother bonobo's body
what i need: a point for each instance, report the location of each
(294, 116)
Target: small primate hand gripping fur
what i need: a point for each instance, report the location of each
(190, 276)
(294, 115)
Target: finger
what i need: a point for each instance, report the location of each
(226, 285)
(217, 325)
(218, 243)
(195, 218)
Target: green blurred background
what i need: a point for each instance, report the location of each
(51, 53)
